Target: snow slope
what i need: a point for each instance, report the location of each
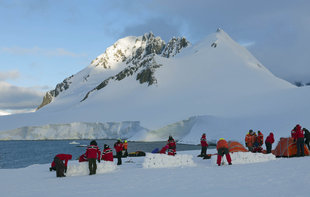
(278, 177)
(223, 91)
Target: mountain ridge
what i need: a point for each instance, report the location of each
(215, 86)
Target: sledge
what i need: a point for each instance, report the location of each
(136, 154)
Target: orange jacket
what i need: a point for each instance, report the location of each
(221, 144)
(249, 140)
(125, 145)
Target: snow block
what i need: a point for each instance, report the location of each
(81, 169)
(245, 158)
(167, 161)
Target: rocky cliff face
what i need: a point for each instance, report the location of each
(138, 56)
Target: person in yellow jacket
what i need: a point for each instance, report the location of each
(125, 146)
(222, 149)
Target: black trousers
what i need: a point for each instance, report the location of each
(119, 158)
(268, 147)
(307, 143)
(300, 147)
(92, 165)
(203, 151)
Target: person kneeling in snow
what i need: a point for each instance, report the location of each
(222, 148)
(107, 153)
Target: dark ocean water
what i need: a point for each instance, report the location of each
(20, 154)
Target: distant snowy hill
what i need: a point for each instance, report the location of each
(215, 86)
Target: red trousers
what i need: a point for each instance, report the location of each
(219, 159)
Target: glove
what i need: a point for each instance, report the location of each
(246, 144)
(98, 160)
(66, 169)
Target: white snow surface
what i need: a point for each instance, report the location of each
(222, 91)
(277, 177)
(245, 158)
(81, 169)
(167, 161)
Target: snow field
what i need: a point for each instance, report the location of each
(280, 177)
(81, 169)
(245, 158)
(167, 161)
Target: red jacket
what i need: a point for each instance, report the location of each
(260, 138)
(203, 141)
(171, 152)
(118, 146)
(299, 133)
(93, 152)
(107, 154)
(164, 149)
(269, 139)
(172, 145)
(63, 157)
(83, 158)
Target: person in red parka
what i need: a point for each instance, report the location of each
(171, 152)
(119, 149)
(222, 148)
(172, 146)
(299, 138)
(83, 158)
(268, 142)
(204, 145)
(164, 149)
(62, 157)
(92, 154)
(260, 138)
(107, 153)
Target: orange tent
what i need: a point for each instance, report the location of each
(287, 148)
(234, 146)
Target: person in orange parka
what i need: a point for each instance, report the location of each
(125, 148)
(222, 148)
(249, 140)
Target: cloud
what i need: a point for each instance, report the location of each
(18, 98)
(39, 52)
(13, 74)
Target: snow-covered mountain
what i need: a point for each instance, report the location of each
(215, 86)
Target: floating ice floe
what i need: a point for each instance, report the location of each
(74, 142)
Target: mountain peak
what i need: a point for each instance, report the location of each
(128, 56)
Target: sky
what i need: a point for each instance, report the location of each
(42, 42)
